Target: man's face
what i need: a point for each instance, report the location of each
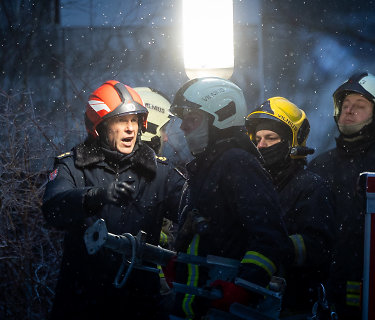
(195, 127)
(191, 121)
(266, 138)
(122, 132)
(355, 109)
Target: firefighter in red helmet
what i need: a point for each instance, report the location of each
(112, 175)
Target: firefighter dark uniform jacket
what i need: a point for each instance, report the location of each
(239, 213)
(86, 282)
(309, 214)
(341, 167)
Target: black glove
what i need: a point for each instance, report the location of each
(116, 193)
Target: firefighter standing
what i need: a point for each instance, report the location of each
(162, 128)
(114, 176)
(340, 167)
(228, 192)
(155, 135)
(280, 130)
(158, 106)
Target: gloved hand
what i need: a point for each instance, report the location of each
(116, 193)
(231, 293)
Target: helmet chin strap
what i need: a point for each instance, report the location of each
(349, 129)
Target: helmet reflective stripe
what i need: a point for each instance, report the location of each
(98, 105)
(260, 260)
(193, 275)
(361, 83)
(220, 98)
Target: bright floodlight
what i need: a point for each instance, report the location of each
(208, 38)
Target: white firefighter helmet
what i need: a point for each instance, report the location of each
(157, 105)
(220, 98)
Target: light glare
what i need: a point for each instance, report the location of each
(208, 38)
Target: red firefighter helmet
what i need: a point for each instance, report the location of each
(111, 99)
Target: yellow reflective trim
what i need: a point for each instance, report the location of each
(353, 287)
(69, 153)
(163, 238)
(299, 249)
(161, 273)
(353, 300)
(260, 260)
(353, 283)
(161, 158)
(193, 276)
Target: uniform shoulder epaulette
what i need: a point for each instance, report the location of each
(162, 159)
(64, 155)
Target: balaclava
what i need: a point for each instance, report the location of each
(277, 154)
